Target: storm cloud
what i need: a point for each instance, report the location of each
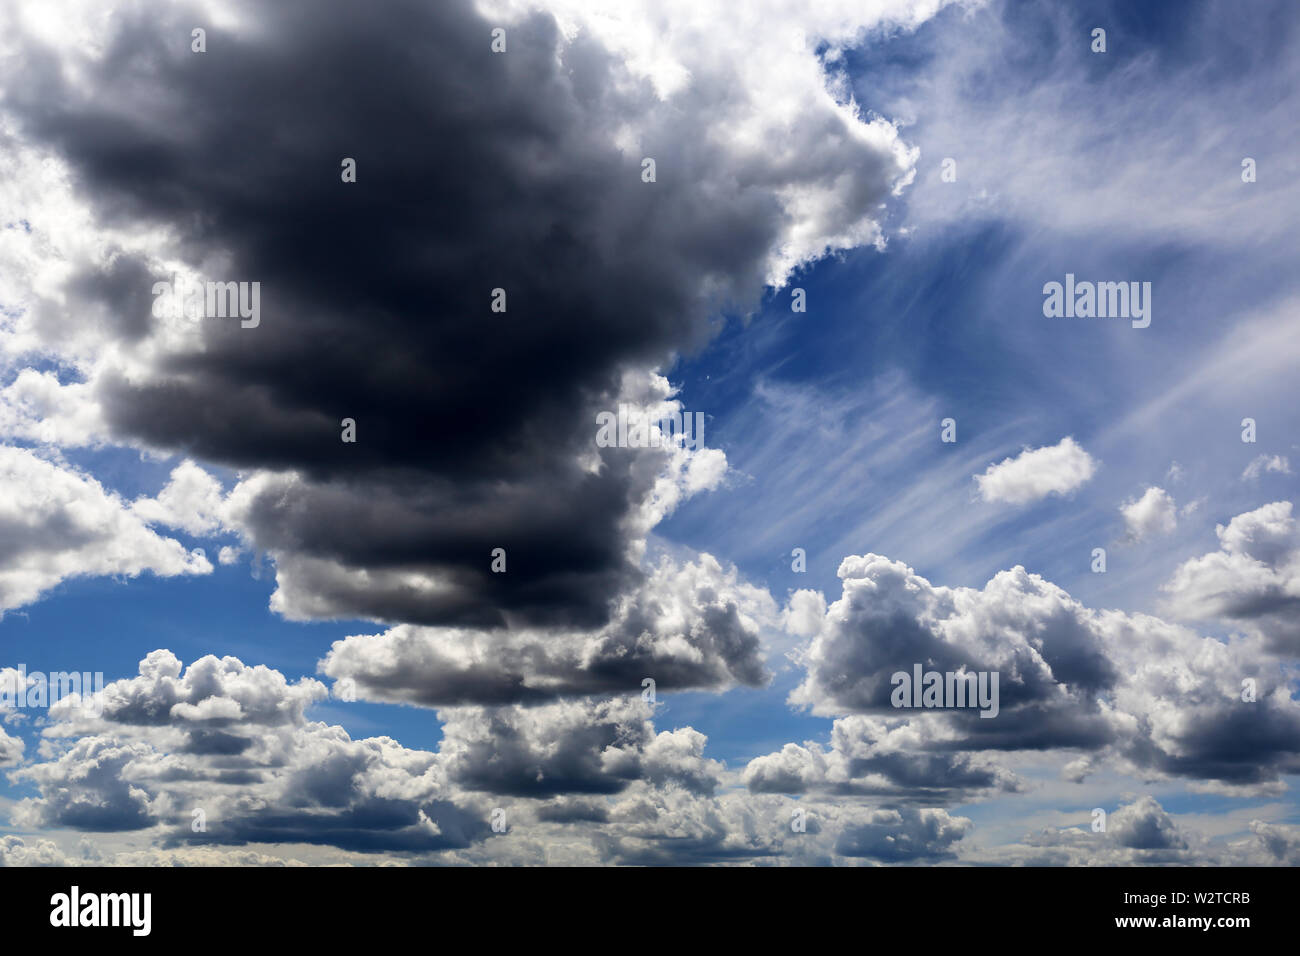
(476, 171)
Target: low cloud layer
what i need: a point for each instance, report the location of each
(220, 754)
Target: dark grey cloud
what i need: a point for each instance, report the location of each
(476, 171)
(573, 810)
(372, 825)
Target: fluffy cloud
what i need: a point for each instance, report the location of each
(1036, 473)
(37, 407)
(759, 60)
(11, 749)
(1142, 833)
(1153, 513)
(1137, 833)
(191, 501)
(56, 524)
(804, 612)
(898, 759)
(1051, 662)
(689, 626)
(14, 851)
(674, 826)
(1253, 580)
(1281, 842)
(573, 747)
(898, 836)
(1144, 825)
(1155, 698)
(233, 742)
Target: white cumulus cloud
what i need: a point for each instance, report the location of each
(1037, 472)
(1153, 513)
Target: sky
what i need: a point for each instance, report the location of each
(365, 581)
